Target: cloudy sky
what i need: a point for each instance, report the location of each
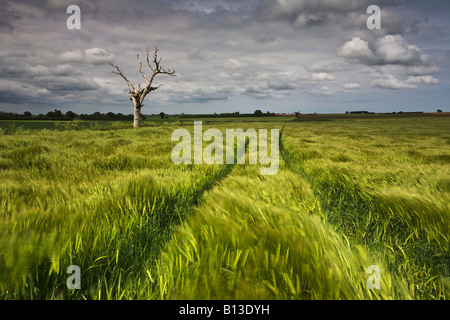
(229, 55)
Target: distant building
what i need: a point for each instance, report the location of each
(360, 112)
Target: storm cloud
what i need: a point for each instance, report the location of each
(276, 55)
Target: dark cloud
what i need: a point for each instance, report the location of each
(303, 13)
(349, 15)
(58, 84)
(7, 16)
(195, 54)
(223, 51)
(263, 39)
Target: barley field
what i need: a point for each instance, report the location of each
(349, 194)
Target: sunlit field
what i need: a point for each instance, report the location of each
(384, 185)
(349, 194)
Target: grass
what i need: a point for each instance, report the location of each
(383, 184)
(257, 237)
(105, 201)
(349, 194)
(12, 126)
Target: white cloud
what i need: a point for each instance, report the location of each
(98, 55)
(390, 82)
(71, 56)
(422, 79)
(356, 48)
(323, 91)
(389, 49)
(352, 86)
(322, 76)
(394, 49)
(421, 70)
(394, 58)
(232, 64)
(326, 66)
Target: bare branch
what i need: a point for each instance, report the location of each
(155, 59)
(140, 69)
(168, 72)
(120, 72)
(148, 61)
(158, 69)
(138, 95)
(147, 90)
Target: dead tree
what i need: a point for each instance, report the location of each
(137, 95)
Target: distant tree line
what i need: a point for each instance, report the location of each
(108, 116)
(57, 115)
(257, 113)
(400, 112)
(361, 112)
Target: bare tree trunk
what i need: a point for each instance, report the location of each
(137, 115)
(137, 95)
